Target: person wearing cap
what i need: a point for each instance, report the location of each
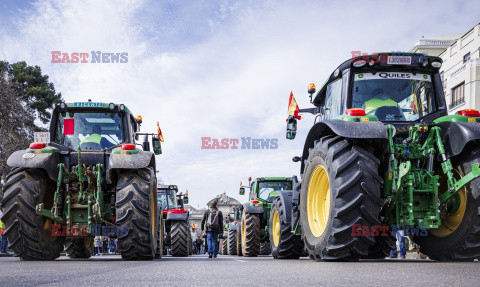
(212, 224)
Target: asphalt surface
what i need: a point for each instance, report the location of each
(199, 270)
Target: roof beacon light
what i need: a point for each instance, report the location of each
(311, 88)
(139, 119)
(355, 112)
(469, 113)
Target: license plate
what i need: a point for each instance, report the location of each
(399, 60)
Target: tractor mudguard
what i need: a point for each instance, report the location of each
(46, 161)
(177, 216)
(285, 197)
(354, 130)
(232, 226)
(456, 135)
(252, 209)
(131, 161)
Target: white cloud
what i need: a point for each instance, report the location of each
(218, 69)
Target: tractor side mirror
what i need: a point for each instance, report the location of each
(291, 127)
(146, 144)
(157, 147)
(242, 190)
(185, 199)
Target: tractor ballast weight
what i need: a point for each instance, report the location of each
(385, 155)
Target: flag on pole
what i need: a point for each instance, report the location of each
(293, 108)
(160, 135)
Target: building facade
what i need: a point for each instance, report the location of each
(460, 72)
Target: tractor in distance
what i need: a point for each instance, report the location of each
(88, 178)
(177, 235)
(234, 225)
(257, 224)
(383, 154)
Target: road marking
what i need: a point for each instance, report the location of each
(239, 260)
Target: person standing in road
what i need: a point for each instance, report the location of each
(212, 224)
(3, 242)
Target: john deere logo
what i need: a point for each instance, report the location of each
(425, 77)
(360, 76)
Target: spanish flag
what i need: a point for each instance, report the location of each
(160, 135)
(293, 108)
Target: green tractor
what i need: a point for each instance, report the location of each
(177, 235)
(383, 155)
(88, 179)
(256, 223)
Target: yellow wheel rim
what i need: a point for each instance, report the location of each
(276, 228)
(318, 201)
(453, 220)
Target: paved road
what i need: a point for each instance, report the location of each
(235, 271)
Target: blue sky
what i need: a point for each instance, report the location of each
(222, 69)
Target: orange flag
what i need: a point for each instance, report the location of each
(160, 135)
(293, 108)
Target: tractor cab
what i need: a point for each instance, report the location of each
(90, 126)
(388, 87)
(167, 197)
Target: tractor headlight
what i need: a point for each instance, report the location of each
(122, 107)
(436, 64)
(111, 106)
(359, 63)
(63, 106)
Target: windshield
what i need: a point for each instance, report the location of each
(266, 187)
(167, 199)
(394, 96)
(92, 131)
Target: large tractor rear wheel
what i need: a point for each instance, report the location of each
(284, 244)
(458, 238)
(179, 238)
(159, 251)
(232, 242)
(137, 214)
(250, 234)
(79, 247)
(341, 187)
(29, 235)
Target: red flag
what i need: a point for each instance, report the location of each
(160, 135)
(293, 108)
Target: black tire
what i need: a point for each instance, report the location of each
(290, 246)
(190, 243)
(354, 192)
(79, 247)
(179, 238)
(463, 244)
(29, 235)
(137, 214)
(250, 234)
(265, 248)
(239, 239)
(382, 247)
(159, 251)
(232, 242)
(224, 246)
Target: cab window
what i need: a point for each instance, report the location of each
(333, 101)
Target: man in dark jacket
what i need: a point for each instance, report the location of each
(212, 224)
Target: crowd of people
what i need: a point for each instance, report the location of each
(105, 245)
